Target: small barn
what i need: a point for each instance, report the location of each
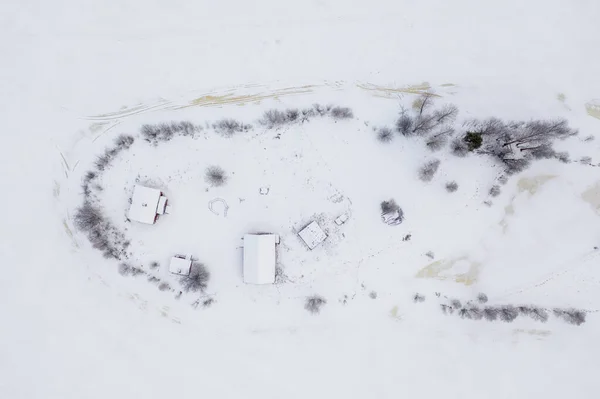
(180, 265)
(146, 204)
(260, 258)
(312, 235)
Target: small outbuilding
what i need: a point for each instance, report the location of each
(260, 258)
(312, 235)
(180, 265)
(146, 204)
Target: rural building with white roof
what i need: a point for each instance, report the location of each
(146, 204)
(260, 258)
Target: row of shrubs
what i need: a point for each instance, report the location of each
(509, 313)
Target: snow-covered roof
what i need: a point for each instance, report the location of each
(259, 258)
(180, 265)
(144, 203)
(312, 235)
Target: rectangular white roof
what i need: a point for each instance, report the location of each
(259, 258)
(180, 265)
(144, 203)
(312, 235)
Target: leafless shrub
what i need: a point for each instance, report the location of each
(589, 138)
(124, 141)
(563, 157)
(275, 118)
(404, 124)
(385, 135)
(207, 302)
(88, 217)
(459, 147)
(341, 113)
(495, 191)
(537, 314)
(166, 131)
(125, 269)
(503, 179)
(447, 309)
(471, 313)
(507, 313)
(424, 122)
(373, 295)
(228, 127)
(491, 313)
(437, 141)
(197, 280)
(455, 303)
(103, 161)
(451, 186)
(314, 303)
(391, 213)
(215, 176)
(164, 286)
(417, 298)
(154, 265)
(428, 170)
(571, 316)
(430, 254)
(482, 298)
(153, 279)
(585, 160)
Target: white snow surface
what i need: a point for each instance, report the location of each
(75, 74)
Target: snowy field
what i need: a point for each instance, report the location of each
(76, 75)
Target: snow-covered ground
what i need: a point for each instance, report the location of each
(75, 75)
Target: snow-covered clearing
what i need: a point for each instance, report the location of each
(76, 75)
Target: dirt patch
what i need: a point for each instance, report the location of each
(532, 184)
(592, 197)
(593, 108)
(450, 270)
(388, 92)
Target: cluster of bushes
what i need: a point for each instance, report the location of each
(228, 127)
(166, 131)
(122, 142)
(100, 232)
(515, 144)
(274, 118)
(509, 313)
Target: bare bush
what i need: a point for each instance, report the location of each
(197, 280)
(166, 131)
(491, 313)
(275, 118)
(451, 186)
(228, 127)
(563, 157)
(507, 313)
(341, 113)
(537, 314)
(585, 160)
(125, 269)
(153, 280)
(164, 286)
(385, 135)
(124, 141)
(215, 176)
(423, 122)
(471, 313)
(459, 148)
(418, 298)
(495, 191)
(447, 309)
(455, 303)
(391, 213)
(428, 170)
(207, 302)
(314, 303)
(571, 316)
(373, 295)
(482, 298)
(88, 217)
(154, 265)
(437, 141)
(430, 254)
